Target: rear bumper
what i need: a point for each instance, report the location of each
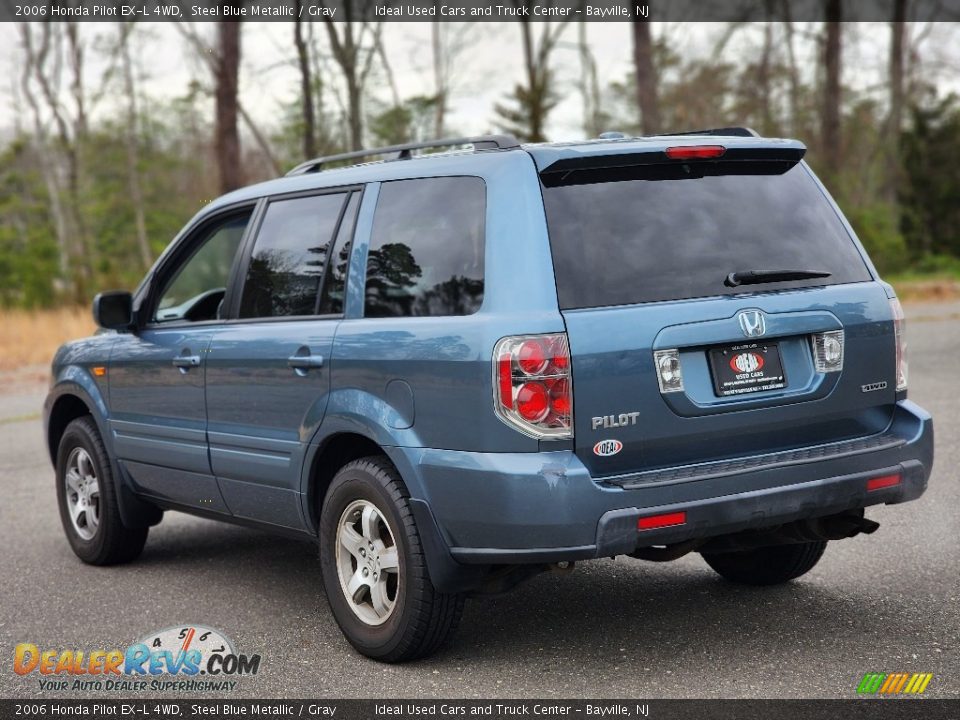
(506, 508)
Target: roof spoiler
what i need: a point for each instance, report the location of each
(594, 166)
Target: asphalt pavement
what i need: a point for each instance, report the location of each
(613, 628)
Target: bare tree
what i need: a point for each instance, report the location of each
(793, 71)
(226, 133)
(58, 214)
(213, 62)
(306, 86)
(895, 120)
(354, 56)
(646, 77)
(830, 110)
(593, 117)
(132, 141)
(537, 96)
(79, 252)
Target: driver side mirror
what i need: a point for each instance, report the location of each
(113, 310)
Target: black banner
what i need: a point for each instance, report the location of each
(929, 709)
(465, 10)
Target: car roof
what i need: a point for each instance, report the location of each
(460, 161)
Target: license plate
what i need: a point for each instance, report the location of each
(747, 368)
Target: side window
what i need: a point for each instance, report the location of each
(334, 286)
(426, 248)
(290, 256)
(195, 291)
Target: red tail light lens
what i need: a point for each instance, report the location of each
(533, 388)
(899, 326)
(695, 152)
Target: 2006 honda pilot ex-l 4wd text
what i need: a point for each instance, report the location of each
(455, 370)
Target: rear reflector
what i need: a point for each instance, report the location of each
(661, 521)
(695, 152)
(884, 481)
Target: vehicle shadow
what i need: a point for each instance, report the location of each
(615, 611)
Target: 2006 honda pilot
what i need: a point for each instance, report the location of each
(454, 370)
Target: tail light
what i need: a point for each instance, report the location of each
(899, 325)
(532, 386)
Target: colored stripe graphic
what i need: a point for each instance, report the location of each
(894, 683)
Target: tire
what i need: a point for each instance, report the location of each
(394, 614)
(767, 565)
(88, 503)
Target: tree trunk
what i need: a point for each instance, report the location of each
(793, 71)
(133, 147)
(227, 140)
(894, 122)
(763, 73)
(439, 80)
(830, 119)
(306, 87)
(648, 102)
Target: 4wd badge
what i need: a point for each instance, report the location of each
(606, 448)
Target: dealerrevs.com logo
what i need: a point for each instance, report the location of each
(181, 658)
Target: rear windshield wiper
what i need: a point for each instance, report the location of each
(755, 277)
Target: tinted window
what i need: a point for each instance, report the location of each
(616, 243)
(197, 286)
(426, 248)
(335, 283)
(289, 256)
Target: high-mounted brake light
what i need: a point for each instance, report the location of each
(695, 152)
(532, 384)
(899, 326)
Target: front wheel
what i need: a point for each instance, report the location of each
(88, 501)
(771, 565)
(374, 569)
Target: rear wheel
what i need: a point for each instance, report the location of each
(88, 501)
(767, 565)
(374, 569)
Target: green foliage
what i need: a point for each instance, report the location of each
(28, 250)
(931, 188)
(877, 228)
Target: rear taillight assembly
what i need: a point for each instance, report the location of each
(899, 326)
(828, 351)
(532, 385)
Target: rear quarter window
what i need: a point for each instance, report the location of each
(426, 248)
(651, 239)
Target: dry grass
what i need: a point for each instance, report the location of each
(31, 337)
(927, 290)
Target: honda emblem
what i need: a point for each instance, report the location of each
(752, 322)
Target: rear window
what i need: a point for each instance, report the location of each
(664, 238)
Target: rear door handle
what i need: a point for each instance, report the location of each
(185, 362)
(305, 362)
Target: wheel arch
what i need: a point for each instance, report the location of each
(332, 454)
(64, 409)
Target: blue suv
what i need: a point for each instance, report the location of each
(455, 370)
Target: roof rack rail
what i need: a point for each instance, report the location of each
(480, 142)
(734, 131)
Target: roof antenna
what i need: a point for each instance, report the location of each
(612, 135)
